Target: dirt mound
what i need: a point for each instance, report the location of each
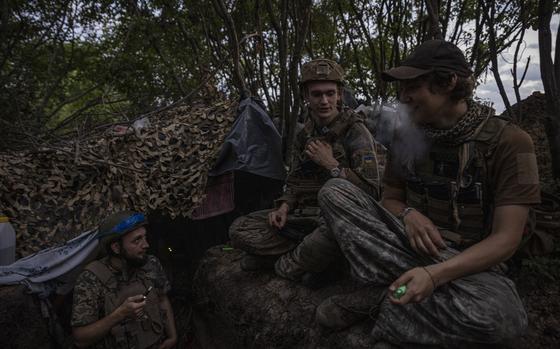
(530, 116)
(21, 320)
(238, 309)
(540, 291)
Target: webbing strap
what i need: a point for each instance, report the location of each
(102, 272)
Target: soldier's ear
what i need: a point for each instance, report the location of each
(452, 83)
(340, 91)
(304, 91)
(116, 247)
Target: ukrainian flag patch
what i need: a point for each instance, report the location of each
(368, 158)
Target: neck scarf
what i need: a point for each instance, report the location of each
(463, 129)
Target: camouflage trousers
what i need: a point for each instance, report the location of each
(480, 308)
(303, 245)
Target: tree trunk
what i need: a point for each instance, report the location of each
(238, 79)
(490, 14)
(301, 21)
(281, 29)
(433, 12)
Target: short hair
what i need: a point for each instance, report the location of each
(439, 81)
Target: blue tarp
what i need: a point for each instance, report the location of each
(52, 269)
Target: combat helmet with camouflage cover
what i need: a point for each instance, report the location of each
(119, 224)
(322, 69)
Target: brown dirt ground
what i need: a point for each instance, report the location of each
(258, 320)
(539, 287)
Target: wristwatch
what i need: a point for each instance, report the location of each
(335, 172)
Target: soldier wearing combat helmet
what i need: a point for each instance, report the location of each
(322, 70)
(120, 301)
(334, 143)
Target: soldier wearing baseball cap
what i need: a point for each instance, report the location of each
(445, 69)
(447, 222)
(334, 143)
(431, 56)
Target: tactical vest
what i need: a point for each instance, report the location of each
(130, 333)
(451, 186)
(311, 176)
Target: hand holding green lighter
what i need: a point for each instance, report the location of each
(399, 292)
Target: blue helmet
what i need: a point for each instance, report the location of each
(119, 224)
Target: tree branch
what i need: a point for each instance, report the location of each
(234, 44)
(433, 13)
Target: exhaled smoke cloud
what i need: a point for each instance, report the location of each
(409, 143)
(392, 126)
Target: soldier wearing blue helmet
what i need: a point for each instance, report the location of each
(120, 301)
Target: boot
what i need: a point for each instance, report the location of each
(342, 311)
(251, 262)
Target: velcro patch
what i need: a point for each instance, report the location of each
(323, 69)
(527, 169)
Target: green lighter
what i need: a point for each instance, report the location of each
(399, 292)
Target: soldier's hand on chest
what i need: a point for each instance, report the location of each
(321, 153)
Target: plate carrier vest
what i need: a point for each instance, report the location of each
(130, 333)
(451, 186)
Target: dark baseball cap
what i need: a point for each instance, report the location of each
(432, 55)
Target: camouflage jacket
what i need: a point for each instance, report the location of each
(89, 293)
(353, 147)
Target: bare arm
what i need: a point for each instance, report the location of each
(507, 231)
(170, 329)
(394, 206)
(394, 195)
(87, 335)
(501, 244)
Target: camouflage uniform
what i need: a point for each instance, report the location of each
(479, 308)
(89, 295)
(353, 148)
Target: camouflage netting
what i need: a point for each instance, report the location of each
(55, 193)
